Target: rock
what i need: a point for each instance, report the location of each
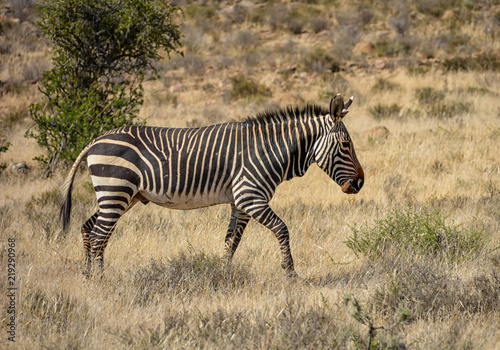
(448, 14)
(363, 47)
(20, 168)
(379, 64)
(378, 132)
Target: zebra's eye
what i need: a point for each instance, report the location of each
(345, 144)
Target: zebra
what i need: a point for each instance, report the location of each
(239, 163)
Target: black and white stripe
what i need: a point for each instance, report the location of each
(240, 163)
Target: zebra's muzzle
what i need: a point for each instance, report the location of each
(352, 187)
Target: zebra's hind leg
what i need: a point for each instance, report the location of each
(237, 225)
(260, 211)
(86, 229)
(108, 215)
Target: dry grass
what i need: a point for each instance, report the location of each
(165, 285)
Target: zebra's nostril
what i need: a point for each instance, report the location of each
(360, 183)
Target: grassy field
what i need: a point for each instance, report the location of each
(411, 262)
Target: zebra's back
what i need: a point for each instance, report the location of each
(180, 168)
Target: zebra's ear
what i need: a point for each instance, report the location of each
(336, 107)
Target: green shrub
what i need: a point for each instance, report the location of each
(420, 232)
(101, 52)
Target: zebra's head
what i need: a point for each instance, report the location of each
(334, 150)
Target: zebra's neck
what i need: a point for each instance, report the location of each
(288, 137)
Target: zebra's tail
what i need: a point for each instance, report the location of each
(65, 211)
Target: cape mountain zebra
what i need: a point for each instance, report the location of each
(240, 163)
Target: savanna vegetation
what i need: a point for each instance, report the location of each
(411, 262)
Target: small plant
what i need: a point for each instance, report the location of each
(391, 48)
(4, 146)
(481, 62)
(189, 274)
(435, 8)
(420, 232)
(447, 110)
(41, 211)
(320, 61)
(246, 87)
(429, 95)
(381, 111)
(420, 290)
(384, 85)
(364, 317)
(200, 12)
(434, 104)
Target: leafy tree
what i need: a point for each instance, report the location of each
(102, 50)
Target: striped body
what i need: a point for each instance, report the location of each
(240, 163)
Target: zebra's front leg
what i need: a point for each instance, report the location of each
(260, 211)
(237, 225)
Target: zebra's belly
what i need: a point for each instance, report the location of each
(184, 202)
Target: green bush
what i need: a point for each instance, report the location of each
(101, 52)
(420, 232)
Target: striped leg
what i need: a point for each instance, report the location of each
(260, 211)
(237, 225)
(108, 215)
(86, 229)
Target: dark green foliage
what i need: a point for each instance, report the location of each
(102, 50)
(417, 232)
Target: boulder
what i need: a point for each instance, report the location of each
(363, 47)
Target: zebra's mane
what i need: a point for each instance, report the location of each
(289, 113)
